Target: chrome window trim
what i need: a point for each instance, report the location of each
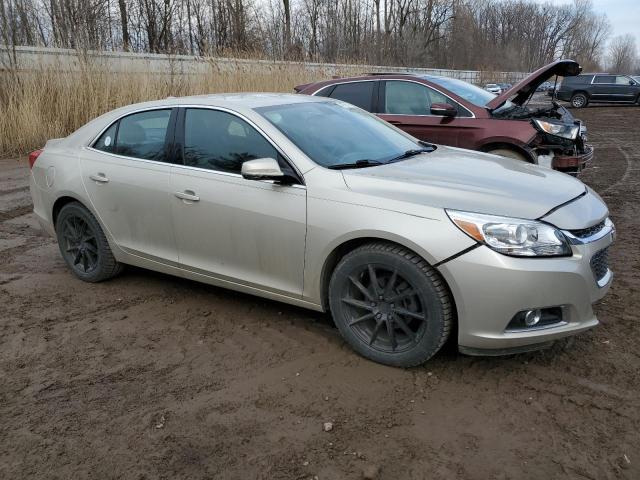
(473, 115)
(147, 109)
(313, 94)
(90, 144)
(593, 80)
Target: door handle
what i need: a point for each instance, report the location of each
(100, 178)
(188, 195)
(395, 122)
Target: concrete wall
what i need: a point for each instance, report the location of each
(32, 58)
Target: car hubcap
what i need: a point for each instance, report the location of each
(81, 246)
(578, 102)
(384, 309)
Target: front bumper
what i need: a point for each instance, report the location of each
(573, 162)
(490, 288)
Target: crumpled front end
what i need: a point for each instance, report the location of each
(565, 155)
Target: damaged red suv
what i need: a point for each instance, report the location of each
(452, 112)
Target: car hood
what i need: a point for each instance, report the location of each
(525, 88)
(471, 181)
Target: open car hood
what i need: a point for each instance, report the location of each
(523, 90)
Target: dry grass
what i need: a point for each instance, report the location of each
(41, 104)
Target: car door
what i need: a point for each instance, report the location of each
(126, 175)
(612, 88)
(407, 105)
(246, 231)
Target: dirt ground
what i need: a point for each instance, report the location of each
(149, 376)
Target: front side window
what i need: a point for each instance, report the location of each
(409, 98)
(472, 94)
(355, 93)
(218, 140)
(333, 134)
(142, 135)
(622, 80)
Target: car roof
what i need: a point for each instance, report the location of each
(231, 100)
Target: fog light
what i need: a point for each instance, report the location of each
(536, 318)
(532, 317)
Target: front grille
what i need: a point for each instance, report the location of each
(600, 263)
(587, 232)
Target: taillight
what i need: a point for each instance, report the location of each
(33, 156)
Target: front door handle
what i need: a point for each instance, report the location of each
(395, 122)
(100, 178)
(188, 195)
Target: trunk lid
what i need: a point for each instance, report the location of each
(524, 89)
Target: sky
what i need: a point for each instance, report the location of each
(624, 15)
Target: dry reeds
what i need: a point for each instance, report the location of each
(43, 103)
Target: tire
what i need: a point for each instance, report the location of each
(507, 152)
(84, 246)
(579, 100)
(412, 320)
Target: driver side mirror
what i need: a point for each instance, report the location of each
(443, 110)
(262, 169)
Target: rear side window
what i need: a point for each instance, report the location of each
(605, 79)
(580, 79)
(142, 135)
(221, 141)
(359, 94)
(107, 140)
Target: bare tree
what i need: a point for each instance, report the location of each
(622, 54)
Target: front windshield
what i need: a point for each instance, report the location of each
(333, 134)
(476, 95)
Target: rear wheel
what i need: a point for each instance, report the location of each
(390, 305)
(83, 244)
(579, 100)
(507, 152)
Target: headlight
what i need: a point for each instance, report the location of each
(512, 236)
(558, 129)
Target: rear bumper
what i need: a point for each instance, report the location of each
(578, 162)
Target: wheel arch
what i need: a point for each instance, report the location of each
(348, 245)
(487, 147)
(61, 202)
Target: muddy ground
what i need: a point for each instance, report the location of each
(150, 376)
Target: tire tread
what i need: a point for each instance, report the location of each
(429, 272)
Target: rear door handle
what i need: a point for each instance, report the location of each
(100, 178)
(188, 195)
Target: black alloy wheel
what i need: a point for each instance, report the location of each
(83, 244)
(390, 305)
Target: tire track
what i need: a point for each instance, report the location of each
(16, 212)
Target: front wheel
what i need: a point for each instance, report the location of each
(83, 244)
(579, 100)
(390, 305)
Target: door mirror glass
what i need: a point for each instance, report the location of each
(262, 169)
(443, 109)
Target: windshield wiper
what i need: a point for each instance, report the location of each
(413, 152)
(358, 164)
